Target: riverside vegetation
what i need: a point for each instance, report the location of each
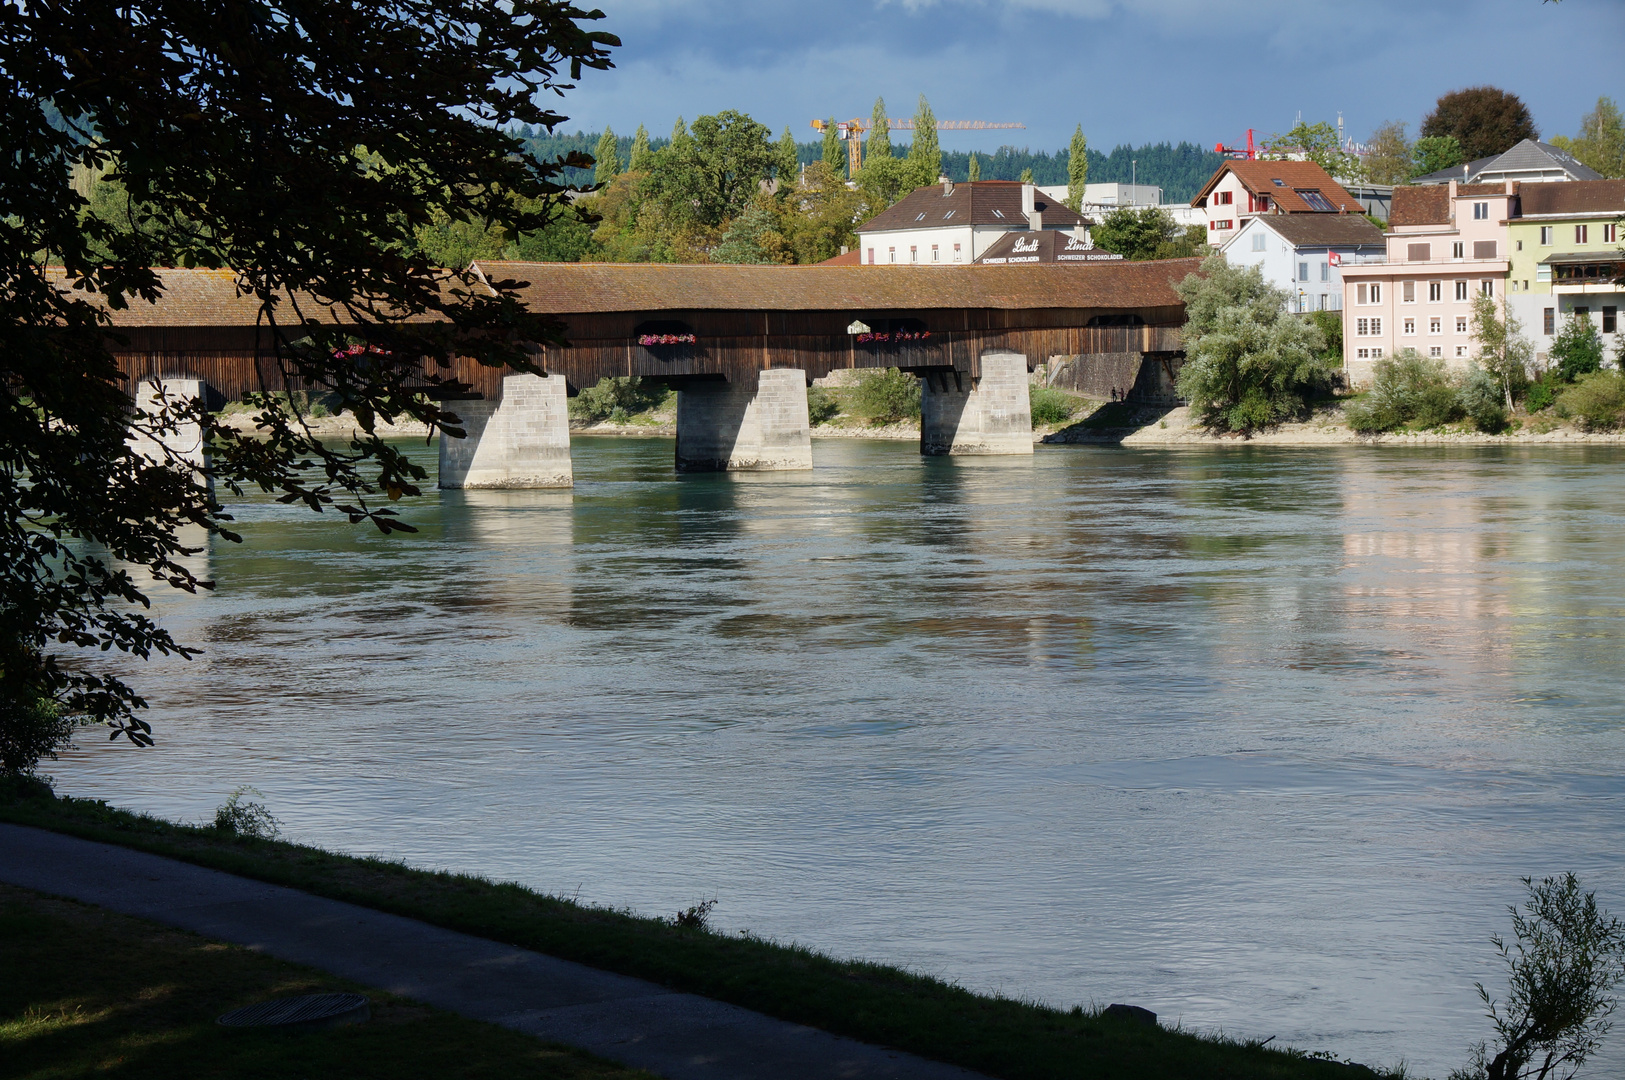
(1002, 1037)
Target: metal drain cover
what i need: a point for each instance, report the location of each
(300, 1013)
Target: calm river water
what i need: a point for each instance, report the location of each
(1261, 739)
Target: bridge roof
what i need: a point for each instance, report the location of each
(579, 288)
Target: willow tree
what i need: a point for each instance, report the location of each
(301, 146)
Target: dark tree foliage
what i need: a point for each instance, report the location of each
(302, 146)
(1485, 120)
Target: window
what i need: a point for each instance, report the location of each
(1408, 292)
(871, 256)
(1223, 198)
(1483, 249)
(1303, 271)
(997, 214)
(949, 214)
(934, 255)
(1435, 291)
(1315, 200)
(1279, 183)
(1610, 234)
(1410, 328)
(1362, 327)
(1435, 351)
(1461, 324)
(1362, 293)
(1582, 314)
(891, 254)
(913, 253)
(1545, 236)
(1376, 354)
(1376, 292)
(1325, 272)
(1543, 273)
(1376, 326)
(1580, 233)
(1461, 290)
(1258, 241)
(1519, 243)
(1363, 354)
(1487, 287)
(1481, 211)
(1435, 326)
(1220, 226)
(1418, 252)
(1461, 350)
(1548, 322)
(1610, 320)
(920, 216)
(956, 253)
(1458, 250)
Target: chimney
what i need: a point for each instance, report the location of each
(1029, 196)
(1035, 221)
(947, 186)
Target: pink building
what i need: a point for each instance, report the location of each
(1446, 245)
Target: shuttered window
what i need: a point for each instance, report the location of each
(1419, 252)
(1483, 249)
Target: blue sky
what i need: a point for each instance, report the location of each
(1129, 70)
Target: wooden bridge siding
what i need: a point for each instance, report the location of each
(603, 345)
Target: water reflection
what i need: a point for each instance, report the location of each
(1259, 738)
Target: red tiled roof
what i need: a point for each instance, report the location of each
(1259, 177)
(845, 258)
(984, 202)
(578, 288)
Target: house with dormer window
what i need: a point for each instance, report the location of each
(1240, 190)
(948, 223)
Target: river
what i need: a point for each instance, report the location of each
(1260, 739)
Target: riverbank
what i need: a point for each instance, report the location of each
(103, 994)
(871, 1002)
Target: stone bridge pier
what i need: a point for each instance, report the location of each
(760, 424)
(988, 415)
(179, 443)
(519, 440)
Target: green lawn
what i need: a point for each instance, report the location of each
(87, 993)
(879, 1004)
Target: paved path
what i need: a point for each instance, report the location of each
(682, 1036)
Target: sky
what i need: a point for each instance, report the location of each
(1130, 71)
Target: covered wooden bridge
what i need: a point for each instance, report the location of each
(741, 344)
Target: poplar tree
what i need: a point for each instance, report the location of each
(785, 162)
(679, 134)
(609, 161)
(834, 152)
(1077, 170)
(975, 172)
(925, 156)
(641, 154)
(880, 130)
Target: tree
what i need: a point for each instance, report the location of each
(973, 172)
(786, 165)
(753, 238)
(925, 154)
(609, 161)
(1485, 120)
(640, 158)
(1601, 142)
(734, 157)
(1503, 351)
(1318, 143)
(235, 134)
(1026, 176)
(1248, 363)
(1565, 958)
(1388, 157)
(879, 131)
(1077, 170)
(1577, 348)
(1433, 153)
(834, 154)
(1147, 232)
(823, 216)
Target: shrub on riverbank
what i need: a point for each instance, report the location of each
(1596, 400)
(1016, 1040)
(822, 405)
(1050, 406)
(617, 398)
(1406, 388)
(885, 396)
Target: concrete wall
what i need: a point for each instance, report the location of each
(990, 415)
(520, 440)
(725, 426)
(180, 443)
(1145, 377)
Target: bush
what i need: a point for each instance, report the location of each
(1051, 406)
(822, 405)
(32, 729)
(886, 396)
(1481, 399)
(1250, 363)
(616, 399)
(1543, 393)
(1407, 388)
(1577, 348)
(242, 816)
(1597, 400)
(1562, 965)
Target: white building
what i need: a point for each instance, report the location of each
(951, 223)
(1239, 190)
(1305, 253)
(1102, 199)
(1529, 162)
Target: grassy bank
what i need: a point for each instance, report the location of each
(879, 1004)
(91, 993)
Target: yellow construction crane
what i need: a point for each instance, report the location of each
(851, 132)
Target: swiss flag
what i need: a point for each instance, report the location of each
(1334, 259)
